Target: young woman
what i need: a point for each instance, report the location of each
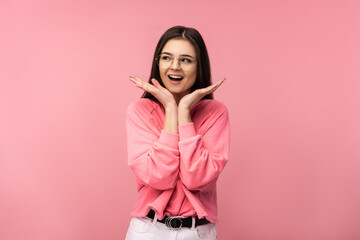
(178, 142)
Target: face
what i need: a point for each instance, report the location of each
(170, 73)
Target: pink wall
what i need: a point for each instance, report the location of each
(292, 91)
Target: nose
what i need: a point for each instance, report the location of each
(175, 64)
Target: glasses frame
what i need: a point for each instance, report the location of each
(172, 61)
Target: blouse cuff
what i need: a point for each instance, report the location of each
(169, 139)
(186, 130)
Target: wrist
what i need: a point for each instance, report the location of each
(171, 107)
(184, 109)
(184, 116)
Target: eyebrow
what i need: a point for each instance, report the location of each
(182, 55)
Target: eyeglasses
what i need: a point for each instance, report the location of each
(166, 60)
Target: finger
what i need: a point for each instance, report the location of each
(218, 83)
(141, 84)
(213, 87)
(136, 81)
(204, 91)
(145, 85)
(210, 88)
(136, 78)
(216, 87)
(155, 82)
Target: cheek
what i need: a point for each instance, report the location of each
(192, 76)
(162, 73)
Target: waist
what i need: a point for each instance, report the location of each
(176, 222)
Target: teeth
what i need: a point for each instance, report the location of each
(178, 77)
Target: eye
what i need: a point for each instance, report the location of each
(186, 60)
(165, 58)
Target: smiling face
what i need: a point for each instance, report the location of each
(178, 77)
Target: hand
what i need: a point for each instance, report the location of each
(159, 92)
(189, 100)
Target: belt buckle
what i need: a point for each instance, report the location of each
(168, 222)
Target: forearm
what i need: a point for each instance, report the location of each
(153, 157)
(171, 119)
(184, 116)
(204, 153)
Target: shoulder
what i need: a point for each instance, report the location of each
(209, 114)
(142, 106)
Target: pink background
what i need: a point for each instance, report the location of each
(292, 90)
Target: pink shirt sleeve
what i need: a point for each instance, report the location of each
(203, 157)
(153, 153)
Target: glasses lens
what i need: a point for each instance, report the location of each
(166, 61)
(186, 62)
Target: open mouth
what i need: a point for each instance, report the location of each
(175, 77)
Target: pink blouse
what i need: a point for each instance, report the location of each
(176, 174)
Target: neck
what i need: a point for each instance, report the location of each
(178, 96)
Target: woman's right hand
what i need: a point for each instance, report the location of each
(159, 92)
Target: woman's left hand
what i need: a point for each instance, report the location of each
(189, 100)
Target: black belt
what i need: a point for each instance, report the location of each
(177, 222)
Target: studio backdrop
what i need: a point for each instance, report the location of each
(292, 91)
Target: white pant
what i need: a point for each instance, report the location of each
(145, 228)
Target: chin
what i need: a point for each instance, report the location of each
(175, 91)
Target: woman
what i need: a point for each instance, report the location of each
(178, 142)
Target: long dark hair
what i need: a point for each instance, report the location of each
(203, 74)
